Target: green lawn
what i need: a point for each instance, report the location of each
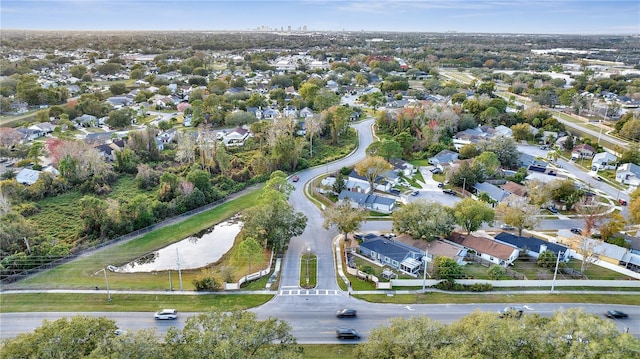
(322, 351)
(49, 302)
(445, 298)
(308, 271)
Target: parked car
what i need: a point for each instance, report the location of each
(295, 178)
(394, 192)
(622, 202)
(435, 171)
(576, 230)
(552, 209)
(166, 314)
(347, 333)
(507, 227)
(346, 313)
(511, 312)
(598, 178)
(440, 185)
(449, 191)
(616, 314)
(414, 193)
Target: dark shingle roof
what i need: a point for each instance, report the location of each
(392, 249)
(531, 243)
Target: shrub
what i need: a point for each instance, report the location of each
(205, 282)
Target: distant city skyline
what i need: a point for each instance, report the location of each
(477, 16)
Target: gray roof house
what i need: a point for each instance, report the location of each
(407, 168)
(495, 193)
(367, 201)
(444, 156)
(603, 161)
(628, 173)
(533, 246)
(396, 254)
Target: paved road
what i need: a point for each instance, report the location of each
(313, 319)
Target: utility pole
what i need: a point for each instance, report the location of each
(179, 272)
(424, 274)
(555, 273)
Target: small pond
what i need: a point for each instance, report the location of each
(194, 252)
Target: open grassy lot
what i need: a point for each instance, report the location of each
(63, 302)
(80, 273)
(445, 298)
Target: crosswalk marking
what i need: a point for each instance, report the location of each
(309, 292)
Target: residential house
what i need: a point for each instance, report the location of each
(531, 163)
(370, 202)
(106, 152)
(560, 142)
(306, 112)
(582, 151)
(496, 193)
(29, 134)
(27, 176)
(468, 136)
(290, 112)
(86, 120)
(236, 137)
(435, 248)
(405, 167)
(444, 156)
(119, 101)
(486, 248)
(534, 246)
(503, 131)
(398, 255)
(301, 128)
(45, 127)
(629, 174)
(381, 184)
(515, 189)
(603, 161)
(167, 136)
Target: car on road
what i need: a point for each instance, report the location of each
(622, 202)
(511, 312)
(295, 178)
(598, 178)
(166, 314)
(347, 333)
(346, 313)
(449, 191)
(616, 314)
(414, 193)
(507, 227)
(576, 230)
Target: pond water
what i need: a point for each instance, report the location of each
(194, 252)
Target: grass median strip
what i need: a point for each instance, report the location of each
(73, 302)
(445, 298)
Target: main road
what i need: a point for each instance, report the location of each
(311, 313)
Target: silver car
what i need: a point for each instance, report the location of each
(166, 314)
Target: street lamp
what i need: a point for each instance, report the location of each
(600, 134)
(104, 270)
(424, 274)
(555, 273)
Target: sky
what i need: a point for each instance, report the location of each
(484, 16)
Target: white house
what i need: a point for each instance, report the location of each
(236, 137)
(628, 173)
(603, 161)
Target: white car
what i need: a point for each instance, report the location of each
(166, 314)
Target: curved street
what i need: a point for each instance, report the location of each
(311, 313)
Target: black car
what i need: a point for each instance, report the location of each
(576, 230)
(346, 313)
(440, 185)
(449, 191)
(414, 193)
(347, 333)
(616, 314)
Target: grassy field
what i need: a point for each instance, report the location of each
(63, 302)
(79, 274)
(445, 298)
